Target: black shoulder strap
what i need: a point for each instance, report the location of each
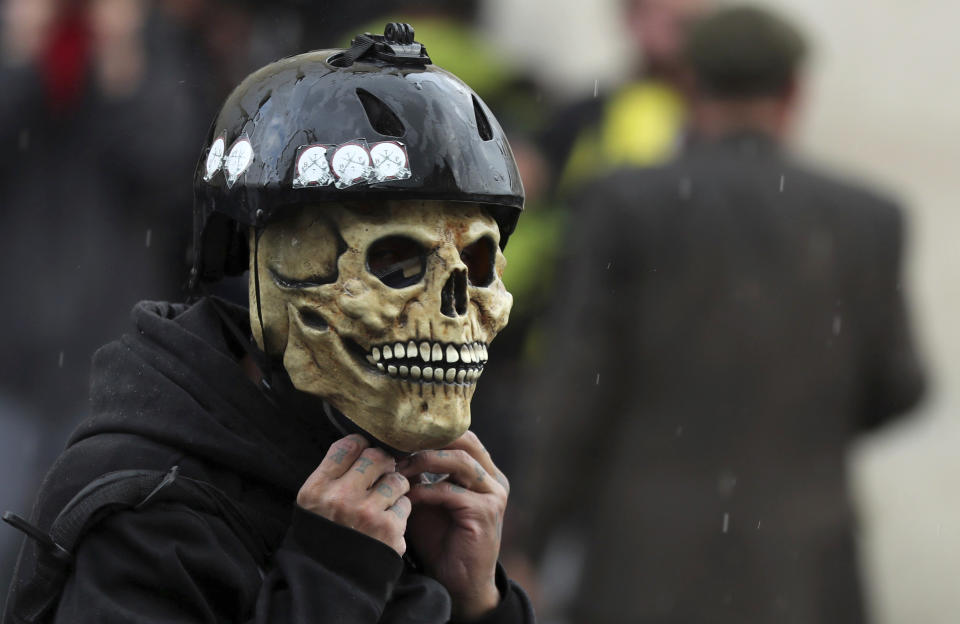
(35, 600)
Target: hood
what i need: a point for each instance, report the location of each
(175, 381)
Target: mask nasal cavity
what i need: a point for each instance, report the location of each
(453, 297)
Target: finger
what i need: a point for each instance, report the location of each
(485, 510)
(459, 464)
(339, 458)
(401, 508)
(368, 467)
(470, 443)
(388, 489)
(446, 494)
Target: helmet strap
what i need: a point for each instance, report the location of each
(361, 45)
(265, 370)
(260, 359)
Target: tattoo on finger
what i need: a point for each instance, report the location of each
(479, 470)
(385, 490)
(362, 464)
(339, 455)
(457, 489)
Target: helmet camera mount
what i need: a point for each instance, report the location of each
(395, 46)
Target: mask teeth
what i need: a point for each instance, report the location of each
(431, 362)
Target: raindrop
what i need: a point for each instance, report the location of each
(837, 324)
(609, 264)
(783, 180)
(598, 379)
(60, 360)
(149, 238)
(726, 483)
(726, 522)
(596, 87)
(418, 86)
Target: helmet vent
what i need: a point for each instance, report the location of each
(340, 60)
(483, 124)
(383, 120)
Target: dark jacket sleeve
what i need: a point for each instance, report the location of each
(894, 374)
(170, 563)
(514, 607)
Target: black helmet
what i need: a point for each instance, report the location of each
(375, 122)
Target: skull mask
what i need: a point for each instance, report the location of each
(384, 311)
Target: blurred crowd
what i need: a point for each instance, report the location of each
(103, 105)
(694, 341)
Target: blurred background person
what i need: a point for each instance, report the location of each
(640, 122)
(728, 324)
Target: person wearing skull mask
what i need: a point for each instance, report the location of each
(309, 459)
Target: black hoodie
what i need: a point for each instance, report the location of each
(172, 394)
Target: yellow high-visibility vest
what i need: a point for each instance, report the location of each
(642, 125)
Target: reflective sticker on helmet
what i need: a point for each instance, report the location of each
(390, 161)
(312, 166)
(215, 157)
(351, 164)
(238, 159)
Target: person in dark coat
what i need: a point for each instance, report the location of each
(173, 392)
(725, 326)
(219, 481)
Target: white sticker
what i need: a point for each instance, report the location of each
(312, 167)
(351, 164)
(215, 158)
(238, 160)
(390, 161)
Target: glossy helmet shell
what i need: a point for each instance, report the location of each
(456, 149)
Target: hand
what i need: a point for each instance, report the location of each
(358, 487)
(456, 524)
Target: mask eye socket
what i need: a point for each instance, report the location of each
(397, 261)
(479, 257)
